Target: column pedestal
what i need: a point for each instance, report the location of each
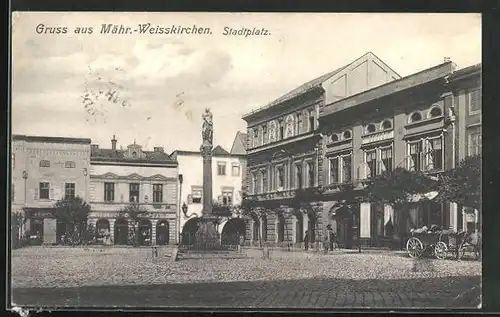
(206, 237)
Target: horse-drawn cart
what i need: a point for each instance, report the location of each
(442, 243)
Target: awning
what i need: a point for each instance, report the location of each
(426, 196)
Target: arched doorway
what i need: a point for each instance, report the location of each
(280, 228)
(102, 233)
(121, 231)
(232, 231)
(344, 220)
(145, 230)
(189, 231)
(62, 232)
(162, 232)
(256, 230)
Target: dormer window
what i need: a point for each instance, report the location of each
(370, 128)
(386, 125)
(44, 163)
(347, 135)
(435, 112)
(134, 154)
(334, 138)
(415, 117)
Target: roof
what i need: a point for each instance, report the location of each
(239, 143)
(408, 82)
(313, 84)
(310, 85)
(49, 139)
(119, 155)
(470, 70)
(217, 151)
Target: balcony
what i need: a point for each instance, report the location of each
(377, 137)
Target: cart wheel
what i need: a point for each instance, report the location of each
(440, 250)
(414, 247)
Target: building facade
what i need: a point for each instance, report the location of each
(427, 121)
(45, 170)
(285, 147)
(147, 179)
(227, 175)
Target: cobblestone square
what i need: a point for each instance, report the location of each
(51, 277)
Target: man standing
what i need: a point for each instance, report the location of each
(306, 240)
(326, 239)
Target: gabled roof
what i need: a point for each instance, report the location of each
(313, 84)
(218, 150)
(239, 144)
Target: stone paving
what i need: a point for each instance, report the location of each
(65, 276)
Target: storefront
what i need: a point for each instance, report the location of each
(41, 226)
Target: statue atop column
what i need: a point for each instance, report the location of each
(207, 131)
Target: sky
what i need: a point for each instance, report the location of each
(153, 89)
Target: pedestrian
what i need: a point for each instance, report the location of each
(306, 240)
(332, 236)
(326, 239)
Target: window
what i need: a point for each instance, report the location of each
(264, 134)
(370, 128)
(221, 168)
(157, 193)
(196, 194)
(415, 156)
(255, 183)
(134, 192)
(371, 163)
(311, 174)
(282, 130)
(475, 146)
(280, 181)
(69, 190)
(227, 198)
(415, 117)
(109, 191)
(435, 112)
(134, 154)
(256, 137)
(44, 190)
(386, 125)
(235, 170)
(434, 154)
(334, 170)
(264, 181)
(347, 135)
(346, 168)
(298, 176)
(474, 101)
(69, 164)
(298, 123)
(44, 163)
(312, 121)
(334, 138)
(386, 158)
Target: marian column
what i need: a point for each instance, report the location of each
(206, 152)
(207, 237)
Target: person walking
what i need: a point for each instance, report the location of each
(306, 240)
(332, 237)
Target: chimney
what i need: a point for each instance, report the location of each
(447, 59)
(113, 143)
(94, 148)
(158, 149)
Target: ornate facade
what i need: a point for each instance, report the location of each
(149, 179)
(284, 147)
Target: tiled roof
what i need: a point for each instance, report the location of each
(243, 139)
(49, 139)
(239, 143)
(465, 71)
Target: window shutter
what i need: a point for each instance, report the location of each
(190, 199)
(51, 193)
(35, 196)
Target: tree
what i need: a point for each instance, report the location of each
(398, 188)
(134, 213)
(18, 219)
(462, 184)
(73, 213)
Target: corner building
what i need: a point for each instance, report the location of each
(119, 177)
(285, 149)
(45, 170)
